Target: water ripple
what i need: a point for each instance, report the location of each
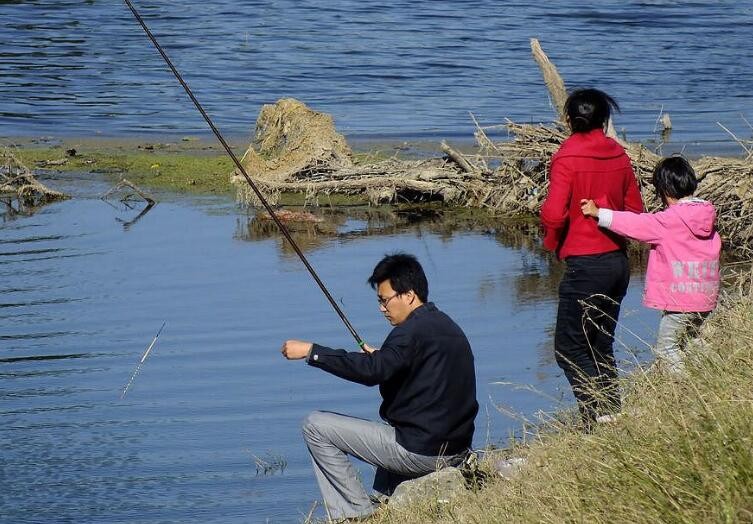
(85, 67)
(35, 336)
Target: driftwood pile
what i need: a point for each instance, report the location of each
(297, 150)
(292, 140)
(20, 191)
(727, 182)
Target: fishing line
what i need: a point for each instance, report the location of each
(259, 195)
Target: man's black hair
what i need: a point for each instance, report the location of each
(588, 109)
(674, 177)
(404, 273)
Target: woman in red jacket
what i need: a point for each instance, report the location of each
(589, 165)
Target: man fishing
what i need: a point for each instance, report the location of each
(427, 381)
(424, 371)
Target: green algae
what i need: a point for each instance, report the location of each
(175, 169)
(187, 166)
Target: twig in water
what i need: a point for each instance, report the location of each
(748, 151)
(746, 120)
(311, 513)
(141, 362)
(527, 387)
(270, 464)
(658, 118)
(127, 183)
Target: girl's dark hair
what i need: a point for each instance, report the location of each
(404, 273)
(674, 177)
(588, 109)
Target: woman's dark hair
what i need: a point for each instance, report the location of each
(404, 273)
(588, 109)
(674, 177)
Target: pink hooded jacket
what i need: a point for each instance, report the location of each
(683, 265)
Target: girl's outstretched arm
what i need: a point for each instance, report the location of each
(644, 227)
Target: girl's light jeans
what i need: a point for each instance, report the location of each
(676, 331)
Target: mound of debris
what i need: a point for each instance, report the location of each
(296, 149)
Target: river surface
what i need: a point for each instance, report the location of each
(85, 289)
(400, 70)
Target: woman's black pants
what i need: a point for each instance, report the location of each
(590, 295)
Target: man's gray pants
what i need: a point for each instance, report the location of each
(676, 332)
(331, 437)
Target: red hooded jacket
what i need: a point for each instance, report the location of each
(587, 165)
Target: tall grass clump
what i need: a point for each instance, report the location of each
(681, 453)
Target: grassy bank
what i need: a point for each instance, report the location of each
(187, 165)
(682, 453)
(184, 166)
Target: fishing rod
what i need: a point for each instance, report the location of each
(259, 195)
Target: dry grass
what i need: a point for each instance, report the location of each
(682, 453)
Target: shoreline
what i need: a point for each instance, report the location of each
(188, 164)
(204, 158)
(301, 160)
(424, 143)
(199, 165)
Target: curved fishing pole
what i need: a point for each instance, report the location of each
(259, 195)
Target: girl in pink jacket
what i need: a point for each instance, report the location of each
(682, 278)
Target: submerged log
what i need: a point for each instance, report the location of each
(287, 215)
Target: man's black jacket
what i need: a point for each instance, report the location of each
(426, 378)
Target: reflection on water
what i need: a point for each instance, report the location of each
(43, 357)
(345, 224)
(537, 279)
(83, 296)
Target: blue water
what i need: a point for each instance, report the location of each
(398, 69)
(84, 291)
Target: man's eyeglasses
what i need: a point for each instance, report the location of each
(384, 301)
